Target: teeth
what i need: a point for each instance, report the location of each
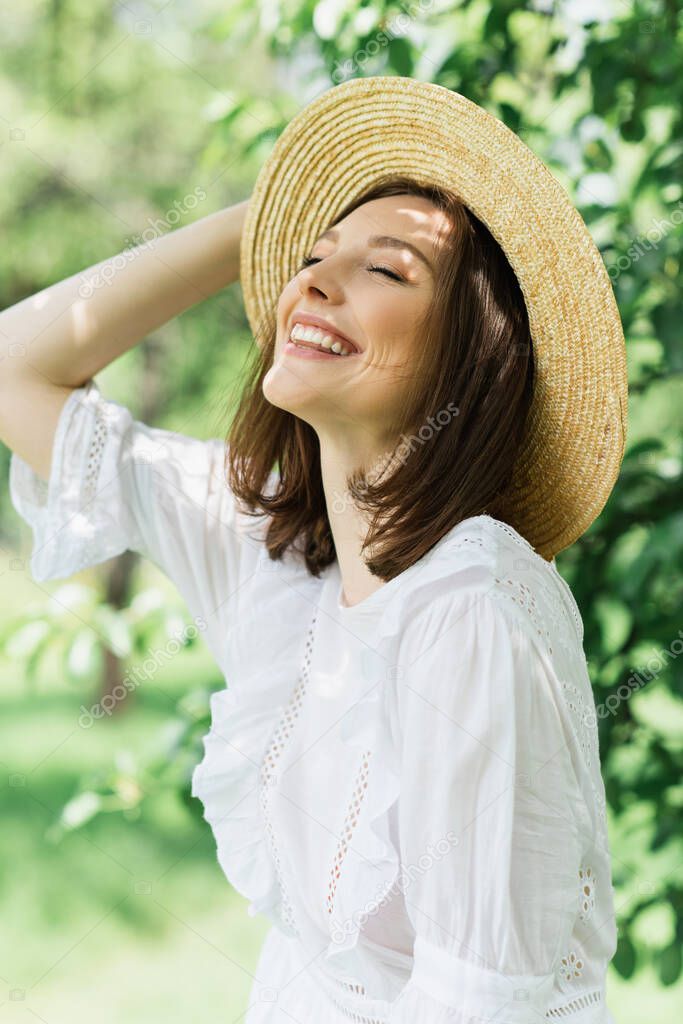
(318, 337)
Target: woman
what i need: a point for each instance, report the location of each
(402, 773)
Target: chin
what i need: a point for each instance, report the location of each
(286, 390)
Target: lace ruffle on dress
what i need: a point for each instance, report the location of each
(409, 789)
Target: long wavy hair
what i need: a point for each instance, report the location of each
(460, 428)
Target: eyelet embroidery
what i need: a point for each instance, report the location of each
(587, 880)
(557, 607)
(354, 987)
(105, 415)
(350, 823)
(523, 595)
(571, 966)
(95, 453)
(586, 732)
(268, 775)
(568, 602)
(583, 717)
(357, 1018)
(337, 989)
(574, 1005)
(462, 541)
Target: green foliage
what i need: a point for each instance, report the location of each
(76, 622)
(123, 786)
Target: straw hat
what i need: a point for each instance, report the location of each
(365, 128)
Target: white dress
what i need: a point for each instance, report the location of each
(409, 789)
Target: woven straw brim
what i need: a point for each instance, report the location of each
(354, 133)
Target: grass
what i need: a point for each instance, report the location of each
(135, 916)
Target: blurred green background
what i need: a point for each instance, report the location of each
(113, 114)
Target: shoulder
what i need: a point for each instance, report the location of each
(474, 629)
(483, 568)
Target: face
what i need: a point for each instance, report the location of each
(372, 293)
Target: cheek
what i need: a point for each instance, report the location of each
(287, 298)
(391, 328)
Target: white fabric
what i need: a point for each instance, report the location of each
(409, 789)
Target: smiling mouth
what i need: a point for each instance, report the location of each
(324, 343)
(319, 350)
(306, 336)
(315, 348)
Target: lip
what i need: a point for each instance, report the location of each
(299, 316)
(311, 352)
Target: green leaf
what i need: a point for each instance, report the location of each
(669, 964)
(633, 129)
(401, 57)
(114, 630)
(80, 809)
(33, 661)
(615, 619)
(25, 641)
(81, 661)
(510, 116)
(624, 959)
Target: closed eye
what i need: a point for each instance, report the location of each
(308, 260)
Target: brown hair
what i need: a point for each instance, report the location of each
(461, 425)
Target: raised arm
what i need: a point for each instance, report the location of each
(55, 340)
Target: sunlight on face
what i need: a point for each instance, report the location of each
(371, 292)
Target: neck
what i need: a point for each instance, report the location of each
(348, 525)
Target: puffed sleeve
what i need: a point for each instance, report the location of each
(116, 484)
(490, 816)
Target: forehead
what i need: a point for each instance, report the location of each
(409, 216)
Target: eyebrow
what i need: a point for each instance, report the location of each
(384, 242)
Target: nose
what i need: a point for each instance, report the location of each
(310, 282)
(319, 279)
